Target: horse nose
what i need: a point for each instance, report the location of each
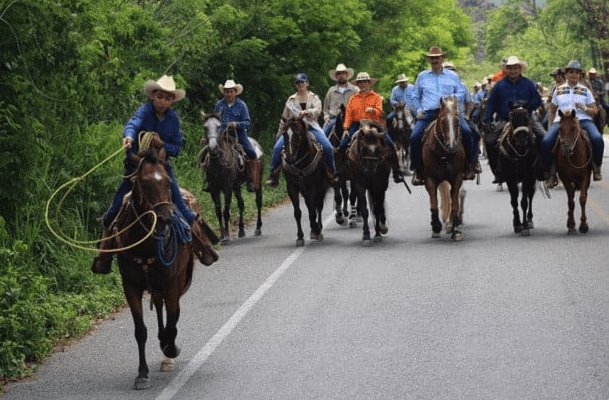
(164, 219)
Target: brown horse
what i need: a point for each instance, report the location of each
(444, 159)
(156, 255)
(573, 154)
(305, 174)
(400, 130)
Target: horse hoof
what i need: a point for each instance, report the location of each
(383, 229)
(571, 231)
(141, 383)
(457, 236)
(299, 242)
(352, 224)
(500, 187)
(531, 225)
(171, 351)
(225, 241)
(258, 232)
(167, 365)
(517, 228)
(435, 235)
(366, 242)
(359, 218)
(241, 234)
(340, 220)
(525, 232)
(449, 228)
(378, 239)
(583, 228)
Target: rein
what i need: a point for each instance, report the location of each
(506, 139)
(568, 148)
(311, 167)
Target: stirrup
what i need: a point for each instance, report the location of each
(417, 179)
(273, 181)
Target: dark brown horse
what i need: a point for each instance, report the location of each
(443, 157)
(518, 157)
(305, 174)
(369, 166)
(573, 154)
(400, 129)
(156, 255)
(225, 175)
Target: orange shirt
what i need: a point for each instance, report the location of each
(356, 108)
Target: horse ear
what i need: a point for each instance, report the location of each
(203, 116)
(162, 154)
(560, 113)
(133, 158)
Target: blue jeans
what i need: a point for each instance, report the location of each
(329, 125)
(126, 186)
(598, 145)
(467, 137)
(244, 140)
(354, 128)
(321, 139)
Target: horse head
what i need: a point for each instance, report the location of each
(569, 125)
(447, 127)
(370, 147)
(296, 139)
(212, 129)
(151, 191)
(519, 131)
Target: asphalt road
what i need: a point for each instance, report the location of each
(496, 316)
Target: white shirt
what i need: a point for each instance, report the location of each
(565, 97)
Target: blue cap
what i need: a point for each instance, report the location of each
(301, 77)
(573, 64)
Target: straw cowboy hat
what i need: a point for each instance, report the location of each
(401, 78)
(165, 84)
(592, 71)
(341, 68)
(230, 84)
(449, 65)
(364, 76)
(435, 51)
(574, 64)
(513, 60)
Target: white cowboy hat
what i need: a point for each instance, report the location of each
(592, 71)
(230, 84)
(364, 76)
(513, 60)
(341, 68)
(449, 65)
(401, 78)
(165, 84)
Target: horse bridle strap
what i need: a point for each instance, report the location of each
(505, 138)
(309, 169)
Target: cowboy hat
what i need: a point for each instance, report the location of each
(341, 68)
(435, 51)
(165, 84)
(574, 64)
(230, 84)
(401, 78)
(557, 71)
(364, 76)
(513, 60)
(449, 65)
(592, 71)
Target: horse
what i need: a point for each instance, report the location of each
(225, 175)
(518, 158)
(600, 119)
(443, 156)
(573, 154)
(156, 255)
(543, 109)
(400, 130)
(305, 174)
(369, 165)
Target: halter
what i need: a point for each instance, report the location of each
(291, 167)
(510, 132)
(226, 157)
(568, 147)
(447, 111)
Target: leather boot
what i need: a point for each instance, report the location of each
(249, 181)
(470, 173)
(273, 180)
(596, 172)
(417, 178)
(102, 263)
(553, 179)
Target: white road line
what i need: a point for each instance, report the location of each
(206, 351)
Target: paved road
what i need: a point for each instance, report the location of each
(497, 316)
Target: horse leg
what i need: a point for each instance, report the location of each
(215, 196)
(354, 207)
(382, 216)
(445, 199)
(455, 193)
(167, 341)
(338, 204)
(134, 299)
(524, 204)
(363, 208)
(311, 203)
(583, 197)
(571, 206)
(258, 230)
(241, 206)
(228, 199)
(514, 192)
(297, 215)
(436, 225)
(168, 363)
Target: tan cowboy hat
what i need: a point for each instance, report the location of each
(341, 68)
(435, 51)
(230, 84)
(513, 60)
(592, 71)
(364, 76)
(449, 65)
(401, 78)
(165, 84)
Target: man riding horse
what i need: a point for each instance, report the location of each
(430, 87)
(337, 95)
(234, 114)
(401, 95)
(157, 116)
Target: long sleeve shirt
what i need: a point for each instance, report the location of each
(336, 96)
(356, 108)
(292, 108)
(430, 87)
(507, 92)
(168, 127)
(236, 112)
(565, 97)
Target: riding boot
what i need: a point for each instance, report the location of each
(596, 172)
(553, 179)
(249, 180)
(417, 177)
(200, 249)
(102, 263)
(469, 174)
(273, 180)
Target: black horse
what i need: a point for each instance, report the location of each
(156, 255)
(225, 175)
(400, 129)
(305, 174)
(517, 161)
(369, 165)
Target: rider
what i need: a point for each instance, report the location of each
(307, 105)
(337, 95)
(401, 94)
(431, 85)
(598, 86)
(157, 116)
(567, 96)
(506, 92)
(367, 105)
(233, 113)
(559, 78)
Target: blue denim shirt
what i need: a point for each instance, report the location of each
(431, 87)
(506, 92)
(168, 128)
(404, 95)
(236, 112)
